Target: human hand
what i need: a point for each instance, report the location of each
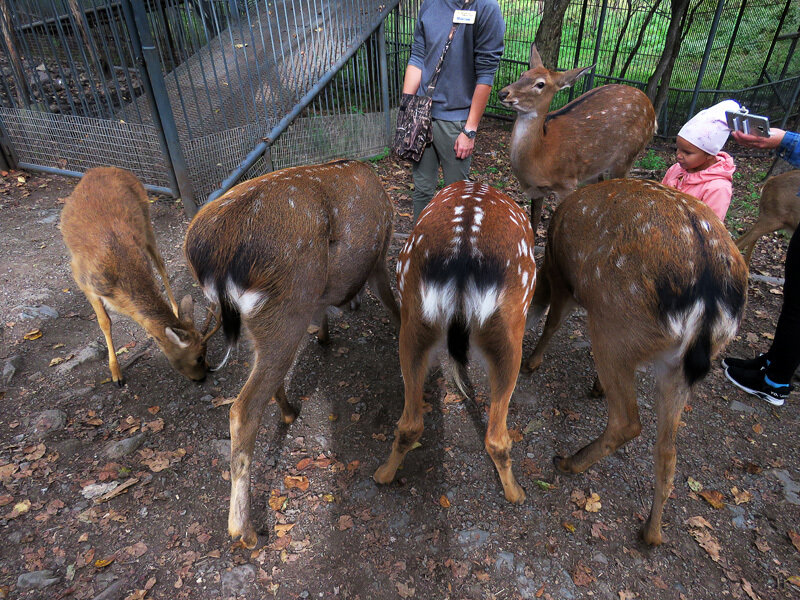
(463, 146)
(756, 141)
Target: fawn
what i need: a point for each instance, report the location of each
(273, 253)
(662, 282)
(467, 270)
(601, 131)
(106, 228)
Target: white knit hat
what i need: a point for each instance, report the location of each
(708, 129)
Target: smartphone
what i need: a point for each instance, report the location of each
(746, 123)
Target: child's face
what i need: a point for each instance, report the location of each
(691, 158)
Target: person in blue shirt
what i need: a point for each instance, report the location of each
(463, 87)
(769, 375)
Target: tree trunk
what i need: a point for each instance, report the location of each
(658, 84)
(548, 36)
(639, 40)
(7, 28)
(620, 36)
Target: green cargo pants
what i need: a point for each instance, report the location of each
(440, 152)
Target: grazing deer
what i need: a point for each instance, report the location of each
(601, 131)
(661, 281)
(107, 230)
(778, 208)
(467, 270)
(274, 252)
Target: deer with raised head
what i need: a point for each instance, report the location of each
(662, 282)
(274, 253)
(778, 208)
(601, 131)
(466, 272)
(106, 228)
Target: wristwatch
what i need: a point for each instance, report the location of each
(470, 134)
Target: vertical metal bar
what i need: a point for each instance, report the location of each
(774, 41)
(8, 159)
(730, 48)
(387, 115)
(787, 114)
(147, 58)
(598, 41)
(790, 53)
(578, 43)
(71, 60)
(706, 53)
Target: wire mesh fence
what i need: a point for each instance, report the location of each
(186, 92)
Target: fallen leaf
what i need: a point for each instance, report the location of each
(20, 508)
(543, 484)
(598, 528)
(593, 503)
(582, 575)
(698, 522)
(452, 398)
(155, 426)
(741, 497)
(293, 481)
(404, 590)
(578, 497)
(795, 537)
(333, 417)
(136, 550)
(282, 529)
(153, 409)
(104, 562)
(120, 489)
(6, 499)
(694, 485)
(56, 361)
(707, 542)
(794, 580)
(345, 522)
(33, 334)
(304, 463)
(137, 595)
(568, 526)
(714, 498)
(444, 502)
(379, 436)
(762, 545)
(277, 502)
(758, 428)
(6, 471)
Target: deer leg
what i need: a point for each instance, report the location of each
(275, 350)
(105, 326)
(536, 212)
(503, 350)
(673, 393)
(561, 303)
(416, 341)
(618, 376)
(379, 283)
(288, 412)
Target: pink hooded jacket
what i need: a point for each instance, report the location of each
(712, 186)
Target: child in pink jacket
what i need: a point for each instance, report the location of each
(702, 170)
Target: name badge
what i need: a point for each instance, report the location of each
(464, 16)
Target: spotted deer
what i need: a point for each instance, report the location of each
(466, 271)
(600, 131)
(106, 228)
(273, 253)
(662, 282)
(778, 208)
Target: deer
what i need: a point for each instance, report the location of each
(467, 272)
(603, 130)
(106, 228)
(778, 208)
(273, 254)
(661, 282)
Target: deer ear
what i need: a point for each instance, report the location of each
(567, 78)
(179, 337)
(186, 309)
(535, 60)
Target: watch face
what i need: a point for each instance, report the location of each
(470, 134)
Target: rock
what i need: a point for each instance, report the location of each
(48, 421)
(398, 522)
(93, 490)
(124, 447)
(36, 580)
(741, 407)
(116, 591)
(790, 486)
(10, 368)
(239, 581)
(72, 394)
(364, 490)
(223, 448)
(472, 539)
(49, 216)
(43, 312)
(90, 353)
(599, 557)
(505, 561)
(67, 447)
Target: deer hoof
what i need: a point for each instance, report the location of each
(560, 464)
(516, 495)
(120, 382)
(383, 475)
(288, 417)
(651, 535)
(530, 365)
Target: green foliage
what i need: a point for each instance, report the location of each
(651, 162)
(380, 156)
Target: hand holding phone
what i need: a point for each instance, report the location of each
(747, 123)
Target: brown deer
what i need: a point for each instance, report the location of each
(778, 208)
(274, 252)
(601, 131)
(106, 228)
(662, 282)
(467, 270)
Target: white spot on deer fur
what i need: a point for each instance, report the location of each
(706, 225)
(685, 325)
(620, 261)
(479, 305)
(458, 229)
(458, 210)
(438, 301)
(247, 301)
(525, 279)
(291, 203)
(725, 325)
(210, 292)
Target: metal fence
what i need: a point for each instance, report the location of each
(193, 94)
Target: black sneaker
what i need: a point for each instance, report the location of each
(753, 382)
(759, 363)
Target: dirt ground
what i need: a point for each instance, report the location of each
(122, 493)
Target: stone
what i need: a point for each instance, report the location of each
(239, 581)
(115, 450)
(48, 216)
(472, 539)
(42, 312)
(47, 422)
(90, 353)
(790, 486)
(36, 580)
(115, 591)
(737, 406)
(504, 561)
(67, 447)
(94, 490)
(364, 490)
(223, 448)
(10, 368)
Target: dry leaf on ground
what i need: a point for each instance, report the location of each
(714, 498)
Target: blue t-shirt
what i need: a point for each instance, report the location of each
(473, 57)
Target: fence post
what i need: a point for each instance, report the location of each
(149, 64)
(598, 41)
(8, 159)
(709, 44)
(774, 41)
(384, 81)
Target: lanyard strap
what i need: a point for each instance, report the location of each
(438, 69)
